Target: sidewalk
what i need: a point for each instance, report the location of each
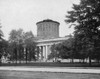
(53, 69)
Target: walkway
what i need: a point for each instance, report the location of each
(52, 69)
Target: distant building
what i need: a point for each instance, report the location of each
(47, 35)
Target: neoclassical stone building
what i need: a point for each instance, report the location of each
(47, 35)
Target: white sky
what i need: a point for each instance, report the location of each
(15, 14)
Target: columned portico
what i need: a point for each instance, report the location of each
(43, 52)
(44, 47)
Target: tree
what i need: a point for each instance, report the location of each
(87, 29)
(30, 46)
(54, 53)
(16, 44)
(1, 33)
(63, 50)
(3, 46)
(1, 41)
(12, 50)
(22, 45)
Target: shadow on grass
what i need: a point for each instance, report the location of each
(52, 64)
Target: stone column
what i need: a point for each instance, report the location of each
(49, 49)
(37, 52)
(46, 52)
(44, 56)
(41, 52)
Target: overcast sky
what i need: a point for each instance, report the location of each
(15, 14)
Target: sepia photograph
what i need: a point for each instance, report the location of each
(49, 39)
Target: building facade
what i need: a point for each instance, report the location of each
(47, 34)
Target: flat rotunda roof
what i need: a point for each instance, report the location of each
(47, 20)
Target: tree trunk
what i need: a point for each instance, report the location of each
(16, 59)
(30, 55)
(16, 55)
(83, 60)
(26, 55)
(19, 56)
(89, 61)
(0, 61)
(72, 60)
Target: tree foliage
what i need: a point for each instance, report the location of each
(3, 47)
(22, 45)
(1, 33)
(87, 29)
(53, 53)
(30, 44)
(3, 44)
(63, 50)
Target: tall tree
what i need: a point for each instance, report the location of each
(16, 43)
(1, 42)
(22, 45)
(63, 50)
(69, 45)
(30, 46)
(87, 29)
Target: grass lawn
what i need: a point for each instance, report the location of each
(44, 75)
(52, 64)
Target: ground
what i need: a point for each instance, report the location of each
(52, 64)
(44, 75)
